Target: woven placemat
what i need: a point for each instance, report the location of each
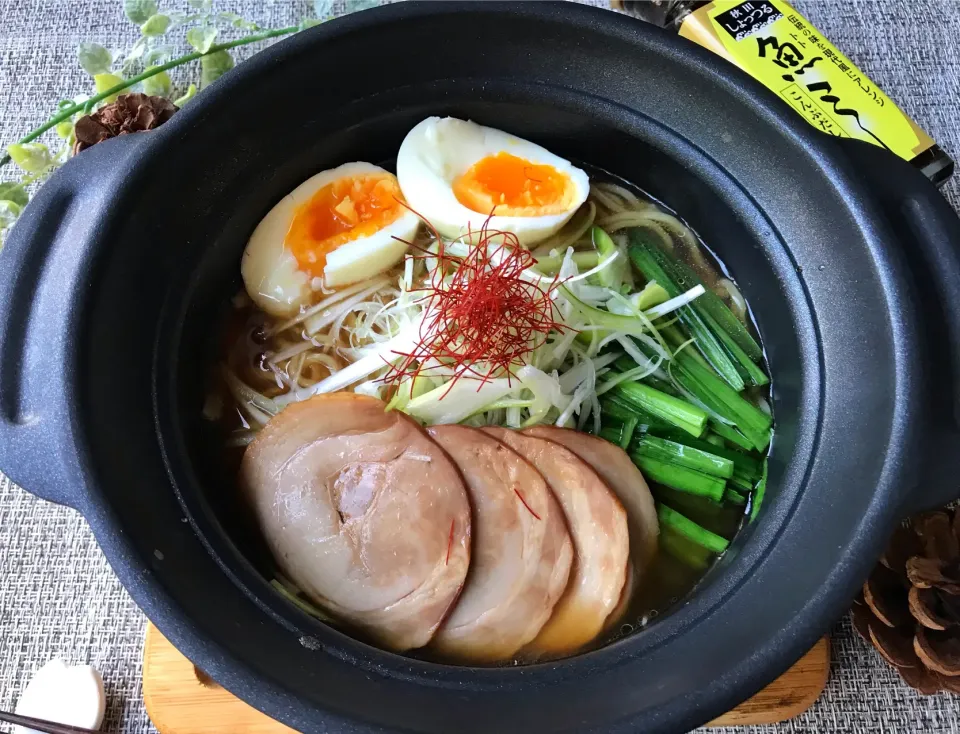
(58, 596)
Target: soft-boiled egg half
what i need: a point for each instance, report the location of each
(338, 227)
(456, 173)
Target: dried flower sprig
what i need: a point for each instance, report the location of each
(144, 67)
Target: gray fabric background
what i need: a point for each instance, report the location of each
(58, 596)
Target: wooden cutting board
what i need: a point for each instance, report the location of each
(180, 699)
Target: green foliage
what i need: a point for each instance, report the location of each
(31, 157)
(15, 192)
(238, 21)
(156, 25)
(213, 66)
(94, 58)
(158, 85)
(9, 211)
(103, 82)
(190, 94)
(323, 9)
(132, 60)
(139, 11)
(163, 34)
(159, 54)
(202, 38)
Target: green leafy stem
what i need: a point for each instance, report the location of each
(87, 106)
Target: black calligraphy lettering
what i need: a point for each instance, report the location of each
(788, 55)
(802, 69)
(834, 100)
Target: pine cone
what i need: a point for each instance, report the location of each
(910, 606)
(131, 113)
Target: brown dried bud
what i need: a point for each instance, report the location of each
(131, 113)
(939, 651)
(884, 594)
(925, 607)
(909, 608)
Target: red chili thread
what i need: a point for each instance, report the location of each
(487, 318)
(525, 503)
(450, 541)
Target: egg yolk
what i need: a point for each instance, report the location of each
(347, 209)
(510, 186)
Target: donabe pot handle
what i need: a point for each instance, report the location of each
(44, 276)
(929, 229)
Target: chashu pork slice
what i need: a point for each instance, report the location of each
(364, 513)
(601, 541)
(521, 551)
(619, 613)
(622, 476)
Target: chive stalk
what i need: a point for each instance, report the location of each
(740, 482)
(684, 550)
(712, 306)
(723, 400)
(686, 527)
(748, 370)
(667, 408)
(709, 304)
(734, 497)
(731, 435)
(685, 456)
(726, 406)
(617, 410)
(680, 478)
(759, 492)
(638, 422)
(743, 464)
(643, 254)
(626, 433)
(612, 432)
(712, 438)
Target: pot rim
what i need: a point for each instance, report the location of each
(239, 675)
(757, 97)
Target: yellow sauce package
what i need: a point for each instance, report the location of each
(780, 48)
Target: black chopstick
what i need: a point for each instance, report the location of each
(47, 727)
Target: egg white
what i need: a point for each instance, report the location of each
(439, 150)
(271, 273)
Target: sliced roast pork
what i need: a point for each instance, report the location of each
(598, 526)
(622, 476)
(619, 613)
(365, 513)
(521, 551)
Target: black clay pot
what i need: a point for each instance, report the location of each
(114, 278)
